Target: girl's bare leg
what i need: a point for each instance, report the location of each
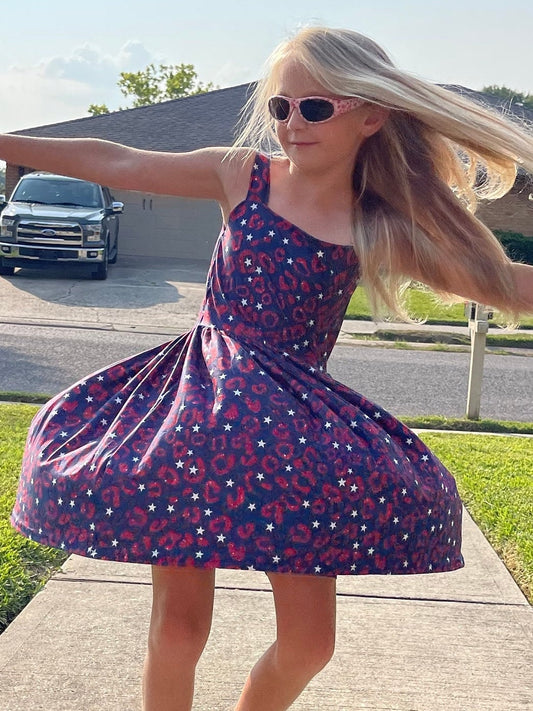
(179, 627)
(305, 617)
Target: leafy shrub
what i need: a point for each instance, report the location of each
(518, 246)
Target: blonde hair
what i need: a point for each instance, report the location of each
(418, 179)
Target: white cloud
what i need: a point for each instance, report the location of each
(88, 65)
(61, 88)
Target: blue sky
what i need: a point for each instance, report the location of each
(59, 56)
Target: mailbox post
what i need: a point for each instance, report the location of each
(478, 322)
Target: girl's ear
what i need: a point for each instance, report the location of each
(374, 120)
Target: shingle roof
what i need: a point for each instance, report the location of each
(201, 120)
(178, 125)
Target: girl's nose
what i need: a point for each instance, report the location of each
(295, 118)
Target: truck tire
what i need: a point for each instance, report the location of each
(5, 270)
(100, 273)
(114, 254)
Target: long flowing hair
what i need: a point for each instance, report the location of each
(417, 181)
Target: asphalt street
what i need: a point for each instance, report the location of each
(405, 382)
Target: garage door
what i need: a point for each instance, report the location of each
(162, 226)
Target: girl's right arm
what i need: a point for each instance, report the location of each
(197, 174)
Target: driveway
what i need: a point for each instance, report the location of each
(157, 295)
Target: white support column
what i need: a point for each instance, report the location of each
(479, 317)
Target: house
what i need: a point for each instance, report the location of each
(169, 227)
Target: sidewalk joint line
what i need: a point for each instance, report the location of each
(364, 596)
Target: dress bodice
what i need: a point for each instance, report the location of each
(273, 284)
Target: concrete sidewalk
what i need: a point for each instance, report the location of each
(459, 641)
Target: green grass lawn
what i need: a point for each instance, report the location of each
(494, 475)
(495, 479)
(24, 565)
(421, 304)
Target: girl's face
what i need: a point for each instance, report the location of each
(315, 146)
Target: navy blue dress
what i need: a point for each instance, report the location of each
(231, 446)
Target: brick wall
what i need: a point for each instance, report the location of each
(13, 173)
(511, 213)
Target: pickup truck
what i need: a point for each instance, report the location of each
(52, 219)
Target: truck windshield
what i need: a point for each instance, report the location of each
(58, 192)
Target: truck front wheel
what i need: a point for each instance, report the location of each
(6, 270)
(101, 270)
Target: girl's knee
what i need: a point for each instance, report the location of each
(177, 636)
(307, 654)
(181, 613)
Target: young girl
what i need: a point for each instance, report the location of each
(232, 447)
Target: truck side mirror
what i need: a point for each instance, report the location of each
(117, 207)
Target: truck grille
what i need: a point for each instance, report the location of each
(66, 233)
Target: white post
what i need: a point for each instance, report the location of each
(479, 317)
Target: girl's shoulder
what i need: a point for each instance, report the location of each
(235, 174)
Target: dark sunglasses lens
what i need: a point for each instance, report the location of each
(316, 110)
(279, 108)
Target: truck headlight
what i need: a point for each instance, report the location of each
(6, 226)
(93, 232)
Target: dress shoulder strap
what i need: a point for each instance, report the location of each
(260, 179)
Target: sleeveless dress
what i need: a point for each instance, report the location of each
(231, 446)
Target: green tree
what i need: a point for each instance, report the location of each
(98, 109)
(155, 84)
(518, 97)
